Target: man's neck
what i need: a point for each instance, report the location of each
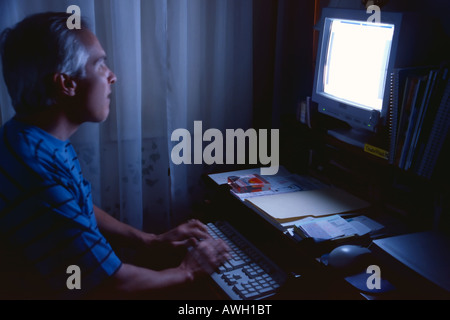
(55, 123)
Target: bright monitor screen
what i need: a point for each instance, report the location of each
(356, 62)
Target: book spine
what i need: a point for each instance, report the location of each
(410, 87)
(421, 111)
(434, 101)
(438, 135)
(411, 124)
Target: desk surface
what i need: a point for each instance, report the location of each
(309, 278)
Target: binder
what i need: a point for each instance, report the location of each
(436, 95)
(422, 109)
(418, 117)
(396, 93)
(438, 134)
(404, 91)
(412, 122)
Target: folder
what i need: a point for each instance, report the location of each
(292, 206)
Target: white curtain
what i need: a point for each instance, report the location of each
(177, 61)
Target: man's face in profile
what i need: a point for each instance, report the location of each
(94, 89)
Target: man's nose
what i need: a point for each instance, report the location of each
(112, 77)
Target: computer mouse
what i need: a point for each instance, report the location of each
(349, 258)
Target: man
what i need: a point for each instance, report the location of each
(58, 79)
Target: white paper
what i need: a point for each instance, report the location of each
(367, 222)
(328, 227)
(360, 228)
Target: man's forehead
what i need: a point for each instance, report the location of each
(92, 44)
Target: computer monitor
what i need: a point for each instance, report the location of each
(355, 59)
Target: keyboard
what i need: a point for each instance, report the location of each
(249, 274)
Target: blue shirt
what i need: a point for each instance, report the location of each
(47, 222)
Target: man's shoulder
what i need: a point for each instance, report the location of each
(31, 144)
(29, 155)
(17, 134)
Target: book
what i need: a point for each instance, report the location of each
(404, 110)
(415, 99)
(422, 108)
(415, 106)
(438, 133)
(406, 88)
(436, 94)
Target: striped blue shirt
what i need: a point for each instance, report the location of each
(47, 222)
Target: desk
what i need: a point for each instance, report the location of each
(308, 277)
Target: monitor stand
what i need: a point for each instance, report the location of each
(353, 136)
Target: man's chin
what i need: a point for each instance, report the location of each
(99, 118)
(103, 117)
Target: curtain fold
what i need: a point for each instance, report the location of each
(176, 61)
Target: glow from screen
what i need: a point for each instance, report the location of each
(357, 62)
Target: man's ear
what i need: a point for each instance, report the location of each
(65, 84)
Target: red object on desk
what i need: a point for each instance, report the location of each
(248, 183)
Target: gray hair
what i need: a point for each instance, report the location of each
(33, 51)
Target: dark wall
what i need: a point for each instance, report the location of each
(440, 9)
(283, 32)
(265, 14)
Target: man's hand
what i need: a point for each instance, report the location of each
(186, 235)
(188, 244)
(132, 281)
(205, 258)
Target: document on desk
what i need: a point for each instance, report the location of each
(326, 228)
(313, 203)
(282, 182)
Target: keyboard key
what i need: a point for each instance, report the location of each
(248, 274)
(236, 263)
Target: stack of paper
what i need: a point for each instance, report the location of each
(326, 228)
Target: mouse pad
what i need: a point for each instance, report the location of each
(362, 282)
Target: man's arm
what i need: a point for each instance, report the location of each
(136, 282)
(130, 281)
(185, 235)
(113, 228)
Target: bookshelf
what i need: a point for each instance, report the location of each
(420, 118)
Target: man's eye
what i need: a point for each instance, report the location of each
(100, 65)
